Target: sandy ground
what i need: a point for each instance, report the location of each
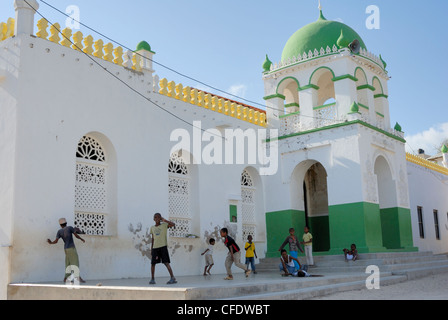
(434, 287)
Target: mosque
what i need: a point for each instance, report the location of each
(90, 132)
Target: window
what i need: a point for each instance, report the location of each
(91, 187)
(179, 192)
(248, 204)
(436, 224)
(420, 222)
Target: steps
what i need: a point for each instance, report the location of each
(397, 263)
(394, 268)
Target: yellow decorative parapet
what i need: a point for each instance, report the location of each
(7, 29)
(212, 102)
(79, 42)
(427, 164)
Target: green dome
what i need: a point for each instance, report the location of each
(144, 46)
(319, 34)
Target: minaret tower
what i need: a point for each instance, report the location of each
(343, 166)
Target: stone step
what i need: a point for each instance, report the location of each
(322, 290)
(279, 285)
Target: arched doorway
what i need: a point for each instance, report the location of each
(315, 196)
(387, 198)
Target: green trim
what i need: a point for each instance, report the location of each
(290, 105)
(343, 77)
(289, 114)
(381, 95)
(273, 96)
(324, 106)
(363, 106)
(311, 77)
(381, 85)
(366, 86)
(338, 125)
(310, 86)
(380, 114)
(356, 70)
(295, 80)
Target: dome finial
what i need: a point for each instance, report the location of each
(321, 15)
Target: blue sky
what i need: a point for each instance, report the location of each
(223, 43)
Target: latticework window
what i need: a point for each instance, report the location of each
(179, 194)
(91, 187)
(248, 192)
(90, 149)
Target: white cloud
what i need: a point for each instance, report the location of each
(429, 140)
(238, 90)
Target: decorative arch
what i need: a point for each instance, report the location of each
(252, 204)
(361, 75)
(95, 186)
(376, 83)
(318, 73)
(182, 194)
(387, 199)
(289, 88)
(309, 194)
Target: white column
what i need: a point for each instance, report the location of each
(275, 107)
(308, 100)
(345, 93)
(385, 103)
(445, 160)
(25, 16)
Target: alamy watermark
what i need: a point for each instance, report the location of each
(72, 281)
(73, 21)
(373, 20)
(373, 280)
(229, 146)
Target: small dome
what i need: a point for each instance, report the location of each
(144, 46)
(319, 34)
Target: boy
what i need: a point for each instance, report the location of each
(250, 253)
(71, 255)
(209, 257)
(287, 264)
(308, 242)
(234, 255)
(294, 245)
(159, 246)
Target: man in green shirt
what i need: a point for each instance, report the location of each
(159, 246)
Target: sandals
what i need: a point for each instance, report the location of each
(228, 278)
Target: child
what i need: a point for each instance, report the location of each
(288, 264)
(294, 245)
(159, 246)
(308, 242)
(71, 255)
(234, 255)
(208, 257)
(351, 254)
(250, 253)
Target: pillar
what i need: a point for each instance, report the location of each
(25, 16)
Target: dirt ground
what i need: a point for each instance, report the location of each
(433, 287)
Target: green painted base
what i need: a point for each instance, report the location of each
(364, 224)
